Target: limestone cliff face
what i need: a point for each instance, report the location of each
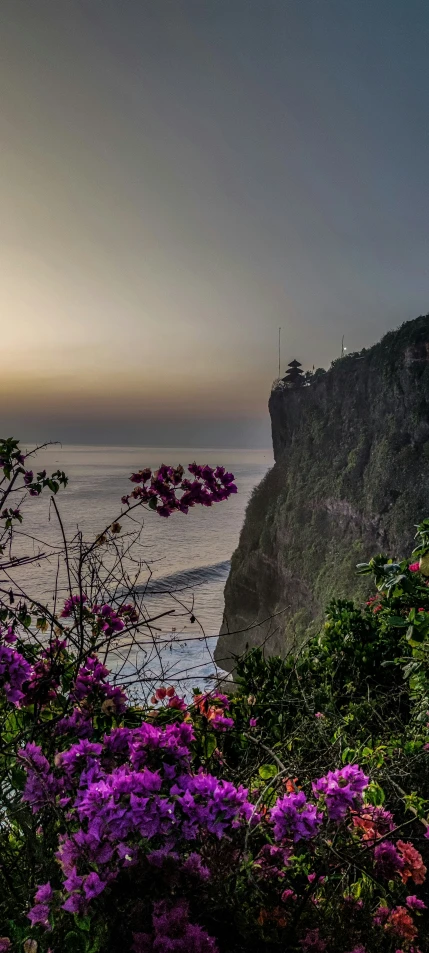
(351, 478)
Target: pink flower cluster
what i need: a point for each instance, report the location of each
(293, 817)
(107, 619)
(172, 931)
(342, 789)
(45, 677)
(14, 668)
(91, 685)
(167, 490)
(123, 797)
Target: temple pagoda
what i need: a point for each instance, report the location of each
(294, 376)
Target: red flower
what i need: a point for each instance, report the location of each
(401, 923)
(413, 863)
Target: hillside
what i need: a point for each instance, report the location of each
(351, 476)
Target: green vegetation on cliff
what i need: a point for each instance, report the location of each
(351, 478)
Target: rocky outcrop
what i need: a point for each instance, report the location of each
(351, 478)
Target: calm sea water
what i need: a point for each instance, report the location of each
(188, 556)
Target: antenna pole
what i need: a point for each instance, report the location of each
(279, 350)
(342, 346)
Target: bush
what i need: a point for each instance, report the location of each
(291, 815)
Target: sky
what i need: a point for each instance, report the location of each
(179, 178)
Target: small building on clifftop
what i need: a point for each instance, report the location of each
(294, 376)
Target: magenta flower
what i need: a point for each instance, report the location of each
(74, 903)
(71, 604)
(414, 903)
(313, 943)
(166, 490)
(14, 671)
(293, 817)
(288, 895)
(414, 567)
(44, 893)
(176, 702)
(342, 790)
(194, 867)
(78, 723)
(221, 723)
(380, 916)
(387, 860)
(93, 886)
(172, 931)
(41, 787)
(39, 914)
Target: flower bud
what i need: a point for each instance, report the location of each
(108, 707)
(30, 946)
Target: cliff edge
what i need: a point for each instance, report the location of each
(351, 475)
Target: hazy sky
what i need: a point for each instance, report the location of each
(180, 177)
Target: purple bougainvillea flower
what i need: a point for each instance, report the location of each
(414, 903)
(93, 886)
(387, 860)
(294, 817)
(221, 723)
(342, 790)
(44, 893)
(39, 914)
(41, 787)
(14, 671)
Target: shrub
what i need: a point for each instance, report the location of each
(291, 815)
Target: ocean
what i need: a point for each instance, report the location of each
(187, 557)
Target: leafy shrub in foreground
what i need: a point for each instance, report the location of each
(290, 816)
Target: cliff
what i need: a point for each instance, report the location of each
(351, 476)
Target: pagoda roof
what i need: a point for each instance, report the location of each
(295, 363)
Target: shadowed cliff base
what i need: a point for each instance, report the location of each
(351, 476)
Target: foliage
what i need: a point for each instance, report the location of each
(291, 815)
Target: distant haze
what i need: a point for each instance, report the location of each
(180, 177)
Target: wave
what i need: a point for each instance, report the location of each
(186, 579)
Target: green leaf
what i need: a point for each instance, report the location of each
(84, 923)
(410, 668)
(267, 771)
(74, 942)
(375, 794)
(210, 743)
(18, 777)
